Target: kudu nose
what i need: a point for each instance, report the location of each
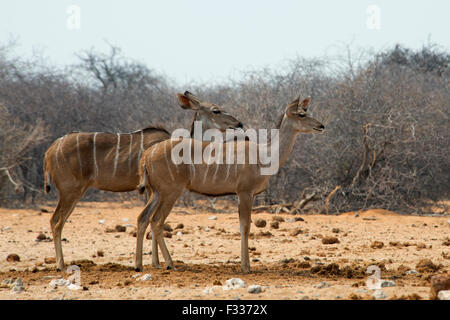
(240, 125)
(322, 126)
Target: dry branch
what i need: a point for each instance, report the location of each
(328, 198)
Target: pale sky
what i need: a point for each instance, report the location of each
(210, 40)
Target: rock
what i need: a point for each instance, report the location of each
(8, 281)
(212, 218)
(296, 232)
(234, 283)
(49, 260)
(260, 223)
(12, 257)
(167, 227)
(278, 219)
(321, 285)
(274, 224)
(59, 283)
(444, 295)
(440, 282)
(330, 240)
(179, 234)
(425, 265)
(254, 289)
(377, 245)
(120, 228)
(335, 230)
(6, 228)
(146, 277)
(179, 226)
(387, 283)
(379, 295)
(207, 229)
(356, 215)
(41, 237)
(100, 253)
(210, 290)
(125, 219)
(411, 272)
(102, 221)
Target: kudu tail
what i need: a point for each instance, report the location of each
(47, 187)
(143, 174)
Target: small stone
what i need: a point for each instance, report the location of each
(444, 295)
(102, 221)
(100, 253)
(212, 218)
(49, 260)
(234, 283)
(146, 277)
(179, 226)
(411, 272)
(274, 224)
(6, 228)
(426, 265)
(41, 237)
(330, 240)
(120, 228)
(356, 215)
(125, 219)
(254, 289)
(13, 257)
(278, 219)
(167, 234)
(379, 295)
(260, 223)
(296, 232)
(335, 230)
(321, 285)
(387, 283)
(179, 234)
(207, 229)
(377, 245)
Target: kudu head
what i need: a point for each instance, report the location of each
(297, 114)
(211, 115)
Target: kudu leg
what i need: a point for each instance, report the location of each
(142, 224)
(64, 208)
(245, 209)
(157, 222)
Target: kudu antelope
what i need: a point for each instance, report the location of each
(166, 180)
(110, 161)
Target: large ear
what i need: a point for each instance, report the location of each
(188, 101)
(291, 109)
(305, 103)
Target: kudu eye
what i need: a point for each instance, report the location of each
(216, 111)
(302, 115)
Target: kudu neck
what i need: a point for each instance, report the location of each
(285, 138)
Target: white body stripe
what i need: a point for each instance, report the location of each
(151, 158)
(141, 149)
(116, 159)
(215, 172)
(167, 162)
(129, 153)
(228, 171)
(95, 157)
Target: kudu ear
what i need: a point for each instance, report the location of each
(291, 109)
(305, 103)
(188, 101)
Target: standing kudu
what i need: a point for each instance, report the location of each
(166, 179)
(110, 161)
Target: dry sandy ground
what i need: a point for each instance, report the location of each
(285, 265)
